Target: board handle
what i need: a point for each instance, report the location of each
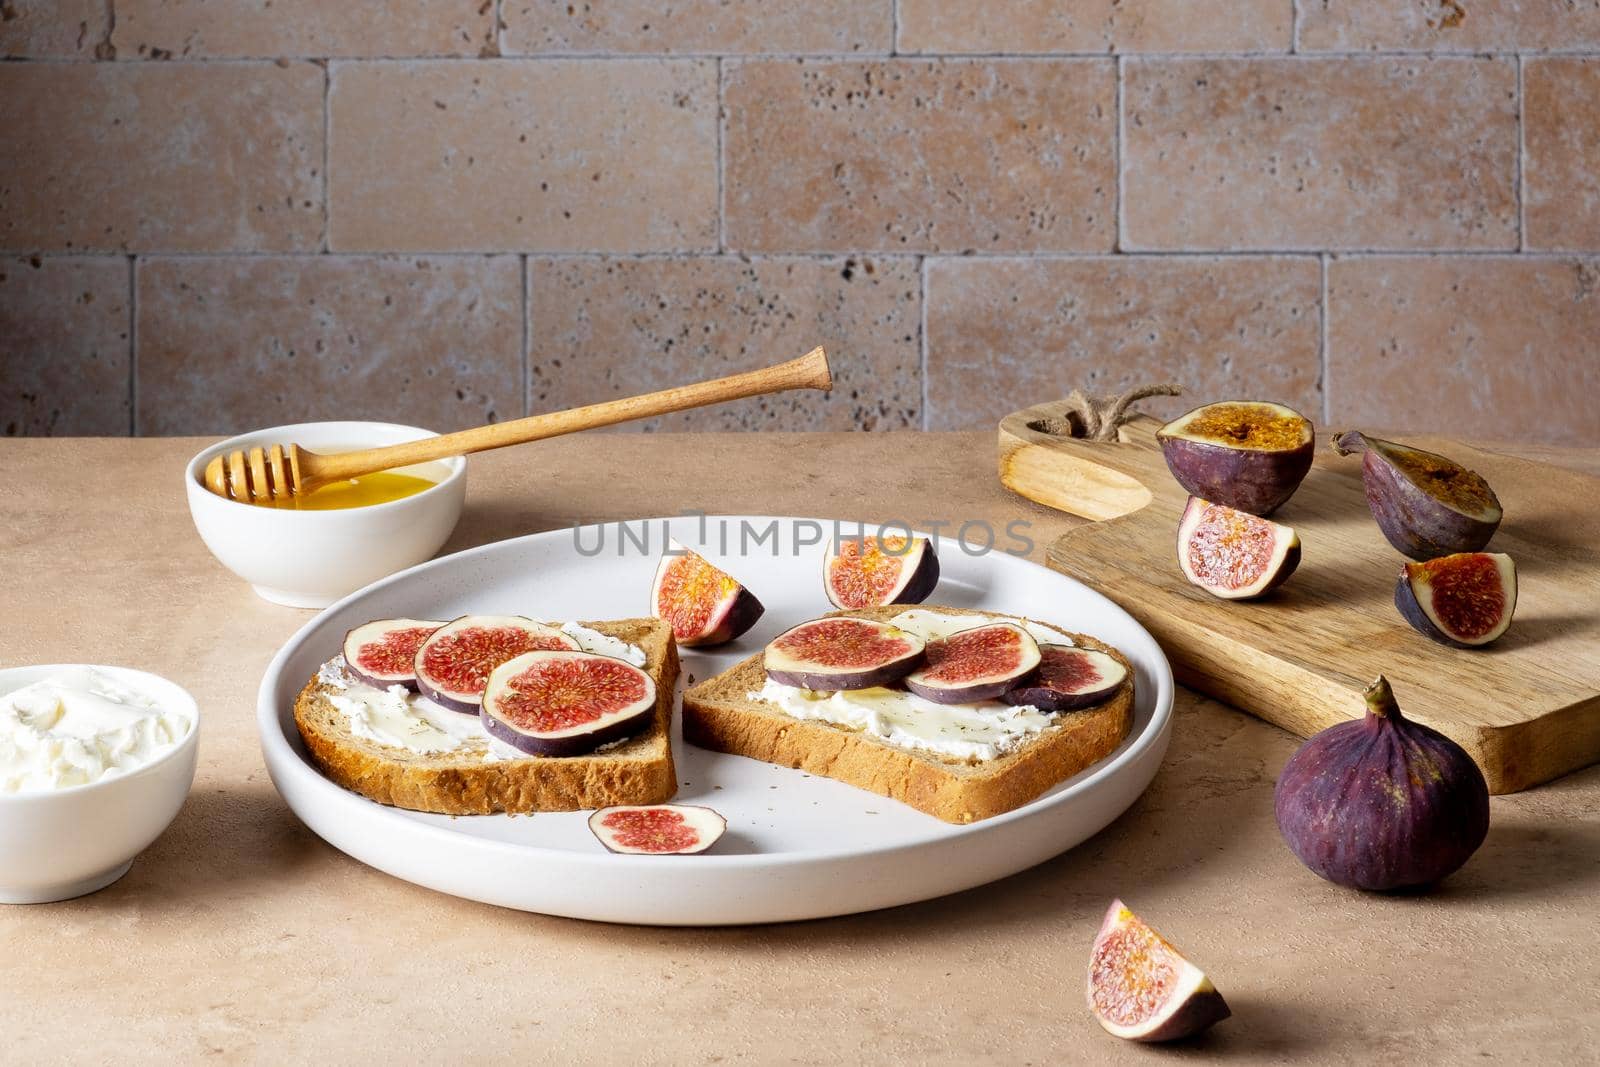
(1039, 458)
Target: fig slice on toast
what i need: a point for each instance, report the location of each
(562, 703)
(704, 604)
(383, 652)
(1142, 989)
(1069, 678)
(842, 653)
(982, 663)
(657, 829)
(869, 572)
(454, 663)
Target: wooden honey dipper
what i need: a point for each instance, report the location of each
(262, 475)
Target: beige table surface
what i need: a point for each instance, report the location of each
(241, 936)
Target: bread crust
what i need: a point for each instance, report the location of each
(717, 714)
(639, 771)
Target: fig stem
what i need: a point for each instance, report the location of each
(1357, 442)
(1380, 700)
(1102, 415)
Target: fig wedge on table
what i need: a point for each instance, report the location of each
(1247, 454)
(869, 572)
(1427, 505)
(1142, 989)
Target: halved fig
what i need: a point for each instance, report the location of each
(1142, 989)
(1233, 554)
(842, 653)
(453, 664)
(978, 664)
(1465, 600)
(657, 829)
(1247, 454)
(1426, 504)
(869, 572)
(384, 652)
(1069, 678)
(560, 703)
(704, 604)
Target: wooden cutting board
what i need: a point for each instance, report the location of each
(1527, 708)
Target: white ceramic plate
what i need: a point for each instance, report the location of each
(797, 847)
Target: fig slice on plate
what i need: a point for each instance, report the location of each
(1069, 678)
(1233, 554)
(1142, 989)
(982, 663)
(561, 703)
(453, 664)
(1247, 454)
(383, 652)
(1426, 504)
(842, 653)
(657, 829)
(704, 604)
(1465, 600)
(869, 572)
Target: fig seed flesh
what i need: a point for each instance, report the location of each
(1465, 600)
(564, 703)
(383, 652)
(657, 829)
(704, 604)
(983, 663)
(453, 665)
(1142, 989)
(1233, 554)
(1069, 678)
(832, 654)
(866, 572)
(1427, 505)
(1249, 455)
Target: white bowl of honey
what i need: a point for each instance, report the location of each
(311, 550)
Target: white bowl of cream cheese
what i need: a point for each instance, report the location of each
(94, 764)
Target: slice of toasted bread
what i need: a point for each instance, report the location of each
(467, 782)
(718, 714)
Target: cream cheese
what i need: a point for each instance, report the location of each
(603, 644)
(934, 625)
(81, 726)
(402, 719)
(978, 731)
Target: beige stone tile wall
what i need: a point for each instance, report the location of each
(220, 213)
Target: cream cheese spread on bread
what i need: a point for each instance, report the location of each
(603, 644)
(978, 731)
(402, 719)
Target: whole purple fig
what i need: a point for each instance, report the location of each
(1382, 802)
